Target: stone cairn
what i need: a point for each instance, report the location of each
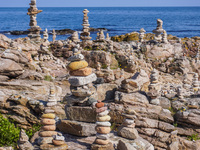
(186, 83)
(45, 35)
(54, 35)
(100, 36)
(141, 35)
(49, 138)
(164, 37)
(154, 88)
(180, 94)
(195, 82)
(74, 37)
(23, 142)
(102, 127)
(85, 36)
(34, 28)
(107, 36)
(81, 77)
(128, 125)
(159, 30)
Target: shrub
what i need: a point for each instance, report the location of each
(9, 133)
(48, 78)
(193, 137)
(33, 130)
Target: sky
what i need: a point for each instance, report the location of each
(100, 3)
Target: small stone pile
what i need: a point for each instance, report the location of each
(45, 35)
(74, 37)
(159, 30)
(141, 35)
(154, 88)
(102, 127)
(128, 125)
(23, 142)
(52, 97)
(81, 77)
(85, 36)
(164, 37)
(195, 82)
(34, 28)
(59, 140)
(100, 36)
(107, 36)
(180, 94)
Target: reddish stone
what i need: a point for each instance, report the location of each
(99, 105)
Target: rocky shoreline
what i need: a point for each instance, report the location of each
(128, 92)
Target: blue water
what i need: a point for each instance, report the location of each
(178, 21)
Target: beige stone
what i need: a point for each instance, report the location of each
(49, 128)
(48, 121)
(81, 72)
(109, 146)
(47, 133)
(77, 65)
(103, 130)
(101, 142)
(58, 143)
(104, 118)
(50, 116)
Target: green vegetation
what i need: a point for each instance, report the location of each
(48, 78)
(9, 133)
(172, 110)
(33, 130)
(193, 137)
(175, 124)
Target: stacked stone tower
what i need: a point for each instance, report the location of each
(85, 36)
(45, 35)
(141, 35)
(34, 28)
(195, 82)
(102, 127)
(159, 30)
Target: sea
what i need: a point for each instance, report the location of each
(178, 21)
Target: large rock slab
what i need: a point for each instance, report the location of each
(10, 68)
(79, 81)
(106, 91)
(128, 133)
(77, 128)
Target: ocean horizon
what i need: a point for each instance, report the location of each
(178, 21)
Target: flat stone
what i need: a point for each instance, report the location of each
(48, 121)
(77, 65)
(47, 133)
(81, 72)
(129, 121)
(79, 81)
(49, 128)
(81, 92)
(128, 133)
(49, 116)
(77, 128)
(76, 57)
(49, 111)
(44, 140)
(57, 142)
(53, 147)
(59, 138)
(104, 124)
(104, 118)
(103, 130)
(101, 142)
(109, 146)
(102, 136)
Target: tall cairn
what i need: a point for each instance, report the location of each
(159, 30)
(45, 35)
(74, 37)
(154, 88)
(54, 35)
(85, 36)
(141, 35)
(164, 37)
(102, 127)
(195, 82)
(23, 142)
(34, 28)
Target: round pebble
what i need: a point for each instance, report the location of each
(104, 113)
(104, 124)
(104, 118)
(129, 121)
(49, 128)
(50, 116)
(47, 133)
(103, 130)
(99, 105)
(102, 136)
(48, 121)
(57, 142)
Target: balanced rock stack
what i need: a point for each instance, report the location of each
(85, 36)
(100, 36)
(154, 88)
(23, 142)
(52, 97)
(164, 38)
(141, 35)
(81, 77)
(127, 129)
(34, 28)
(195, 82)
(54, 35)
(74, 37)
(59, 140)
(159, 30)
(45, 35)
(103, 129)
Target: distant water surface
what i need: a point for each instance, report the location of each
(178, 21)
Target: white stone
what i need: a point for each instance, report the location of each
(106, 112)
(59, 138)
(102, 136)
(104, 124)
(76, 57)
